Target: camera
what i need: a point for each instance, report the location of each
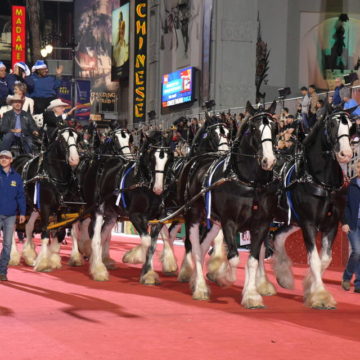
(284, 92)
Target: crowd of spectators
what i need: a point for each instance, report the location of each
(24, 93)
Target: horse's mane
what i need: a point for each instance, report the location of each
(314, 132)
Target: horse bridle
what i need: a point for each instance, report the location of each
(340, 114)
(60, 138)
(267, 115)
(159, 148)
(125, 146)
(222, 136)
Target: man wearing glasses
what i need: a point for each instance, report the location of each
(12, 201)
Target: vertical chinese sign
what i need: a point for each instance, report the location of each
(18, 34)
(140, 61)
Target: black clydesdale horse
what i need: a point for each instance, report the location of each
(212, 137)
(48, 180)
(241, 198)
(127, 190)
(315, 196)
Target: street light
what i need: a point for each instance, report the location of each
(46, 49)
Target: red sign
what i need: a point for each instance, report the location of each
(18, 34)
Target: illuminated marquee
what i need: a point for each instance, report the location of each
(18, 34)
(140, 61)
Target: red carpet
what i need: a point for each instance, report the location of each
(65, 315)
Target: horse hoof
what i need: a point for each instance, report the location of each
(150, 278)
(252, 302)
(99, 273)
(55, 261)
(201, 294)
(211, 277)
(286, 283)
(100, 277)
(74, 262)
(170, 274)
(110, 264)
(184, 277)
(322, 300)
(134, 256)
(266, 289)
(15, 261)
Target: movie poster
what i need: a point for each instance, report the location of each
(5, 38)
(93, 56)
(329, 48)
(120, 42)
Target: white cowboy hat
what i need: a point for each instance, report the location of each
(16, 97)
(55, 103)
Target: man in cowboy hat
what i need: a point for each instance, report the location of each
(45, 86)
(17, 125)
(55, 116)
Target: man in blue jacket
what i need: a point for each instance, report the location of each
(45, 86)
(351, 226)
(12, 201)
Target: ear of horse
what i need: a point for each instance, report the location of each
(272, 108)
(249, 108)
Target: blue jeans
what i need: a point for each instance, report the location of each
(305, 121)
(353, 265)
(7, 225)
(10, 138)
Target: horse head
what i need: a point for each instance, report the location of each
(157, 157)
(123, 139)
(262, 127)
(67, 138)
(215, 133)
(337, 130)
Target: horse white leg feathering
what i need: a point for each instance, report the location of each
(42, 262)
(29, 253)
(200, 290)
(137, 254)
(251, 299)
(315, 294)
(98, 270)
(187, 268)
(281, 261)
(167, 258)
(14, 253)
(220, 270)
(55, 259)
(76, 259)
(326, 257)
(263, 285)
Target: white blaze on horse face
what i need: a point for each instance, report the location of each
(345, 153)
(223, 139)
(71, 143)
(124, 141)
(268, 160)
(161, 158)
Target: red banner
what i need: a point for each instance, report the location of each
(18, 34)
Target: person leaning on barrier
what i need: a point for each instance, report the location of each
(16, 125)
